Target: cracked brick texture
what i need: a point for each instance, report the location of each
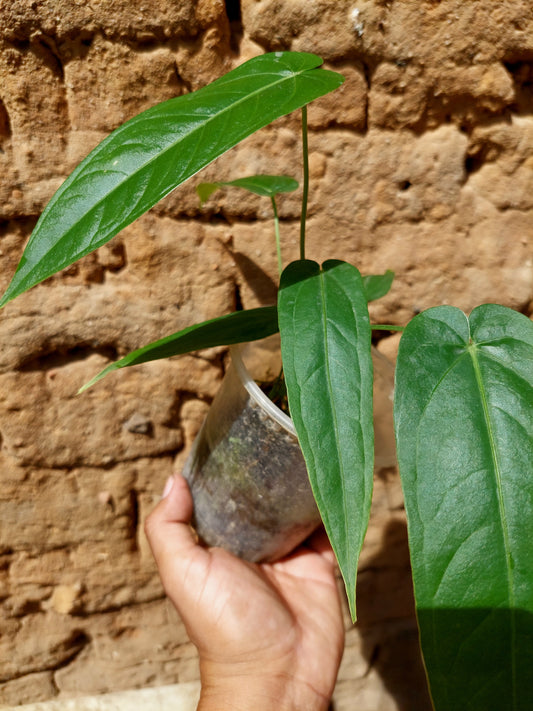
(421, 163)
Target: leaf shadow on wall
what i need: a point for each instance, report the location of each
(387, 621)
(264, 288)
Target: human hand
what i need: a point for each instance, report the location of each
(269, 636)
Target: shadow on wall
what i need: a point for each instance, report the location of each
(261, 284)
(387, 621)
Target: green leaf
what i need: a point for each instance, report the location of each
(325, 346)
(148, 156)
(238, 327)
(377, 285)
(263, 185)
(464, 429)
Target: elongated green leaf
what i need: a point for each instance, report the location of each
(263, 185)
(377, 285)
(464, 428)
(325, 346)
(147, 157)
(238, 327)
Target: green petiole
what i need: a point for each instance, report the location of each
(305, 186)
(276, 231)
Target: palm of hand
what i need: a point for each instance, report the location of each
(282, 618)
(248, 611)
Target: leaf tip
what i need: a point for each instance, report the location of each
(96, 378)
(8, 295)
(352, 605)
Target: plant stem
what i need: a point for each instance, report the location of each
(276, 230)
(305, 193)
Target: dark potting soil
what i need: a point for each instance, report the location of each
(276, 390)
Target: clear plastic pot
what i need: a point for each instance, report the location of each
(246, 471)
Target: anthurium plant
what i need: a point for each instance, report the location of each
(463, 391)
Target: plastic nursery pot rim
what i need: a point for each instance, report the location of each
(257, 394)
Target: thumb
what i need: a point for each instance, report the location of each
(172, 541)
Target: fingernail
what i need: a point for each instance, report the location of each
(168, 487)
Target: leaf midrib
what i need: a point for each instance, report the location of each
(334, 413)
(472, 350)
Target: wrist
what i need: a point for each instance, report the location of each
(252, 688)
